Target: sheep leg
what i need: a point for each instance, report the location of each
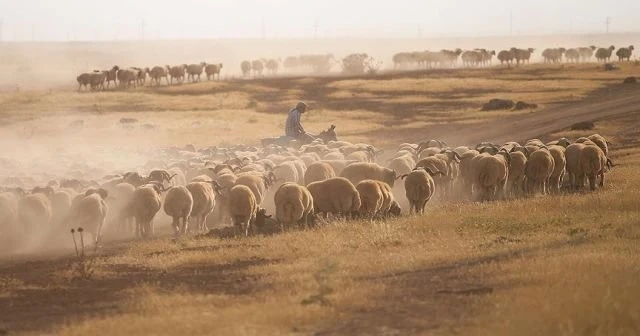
(99, 232)
(175, 224)
(203, 224)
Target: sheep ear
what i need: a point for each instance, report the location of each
(404, 176)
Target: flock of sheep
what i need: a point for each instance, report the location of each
(358, 63)
(483, 57)
(303, 186)
(128, 77)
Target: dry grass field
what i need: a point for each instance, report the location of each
(555, 265)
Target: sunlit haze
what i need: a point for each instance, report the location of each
(62, 20)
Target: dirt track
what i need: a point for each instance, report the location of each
(608, 102)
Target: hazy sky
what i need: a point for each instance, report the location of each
(122, 19)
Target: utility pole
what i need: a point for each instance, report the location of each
(1, 31)
(607, 23)
(263, 29)
(33, 32)
(419, 31)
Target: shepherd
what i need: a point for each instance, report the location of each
(293, 126)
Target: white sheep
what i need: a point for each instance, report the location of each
(89, 212)
(34, 212)
(517, 173)
(560, 163)
(419, 188)
(337, 196)
(178, 204)
(243, 208)
(318, 171)
(294, 204)
(204, 202)
(143, 207)
(371, 198)
(361, 171)
(540, 167)
(212, 70)
(593, 164)
(492, 174)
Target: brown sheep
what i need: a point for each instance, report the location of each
(212, 70)
(624, 54)
(604, 54)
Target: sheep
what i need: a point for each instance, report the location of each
(624, 54)
(97, 79)
(143, 206)
(574, 171)
(572, 55)
(60, 205)
(212, 70)
(506, 56)
(83, 80)
(553, 55)
(112, 76)
(360, 156)
(257, 66)
(294, 204)
(204, 202)
(360, 171)
(177, 72)
(604, 54)
(337, 196)
(258, 184)
(419, 188)
(157, 73)
(601, 142)
(540, 167)
(318, 171)
(34, 211)
(437, 164)
(522, 55)
(593, 164)
(126, 77)
(402, 165)
(141, 75)
(586, 53)
(272, 66)
(334, 156)
(178, 204)
(466, 170)
(245, 66)
(560, 162)
(133, 178)
(388, 199)
(194, 70)
(371, 198)
(492, 173)
(517, 173)
(338, 165)
(243, 208)
(120, 196)
(89, 211)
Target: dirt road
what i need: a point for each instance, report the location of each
(604, 103)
